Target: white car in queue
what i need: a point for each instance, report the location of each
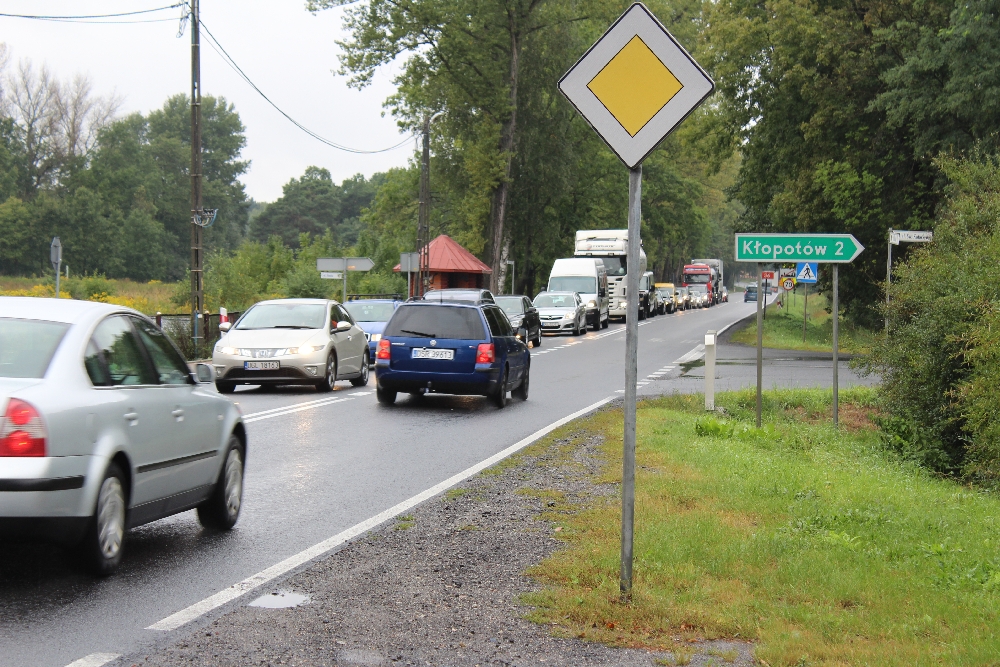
(311, 342)
(104, 428)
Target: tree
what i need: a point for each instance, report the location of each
(314, 204)
(463, 57)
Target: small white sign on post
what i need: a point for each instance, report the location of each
(331, 275)
(896, 236)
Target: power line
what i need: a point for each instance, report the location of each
(218, 48)
(40, 17)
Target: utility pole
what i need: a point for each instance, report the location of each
(423, 233)
(197, 278)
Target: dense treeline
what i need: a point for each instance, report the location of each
(115, 190)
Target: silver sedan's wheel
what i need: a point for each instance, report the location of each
(330, 376)
(362, 379)
(222, 509)
(103, 542)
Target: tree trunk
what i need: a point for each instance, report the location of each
(499, 245)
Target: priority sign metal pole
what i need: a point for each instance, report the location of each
(760, 339)
(631, 377)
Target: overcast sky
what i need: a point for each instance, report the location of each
(286, 51)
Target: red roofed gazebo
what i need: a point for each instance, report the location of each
(451, 265)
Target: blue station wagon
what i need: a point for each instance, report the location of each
(451, 348)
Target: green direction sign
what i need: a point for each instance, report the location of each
(825, 248)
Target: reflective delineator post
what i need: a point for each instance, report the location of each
(631, 376)
(710, 338)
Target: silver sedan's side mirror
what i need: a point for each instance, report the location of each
(203, 372)
(344, 325)
(225, 326)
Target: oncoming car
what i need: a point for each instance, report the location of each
(103, 428)
(292, 342)
(451, 349)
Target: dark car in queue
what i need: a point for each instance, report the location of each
(523, 317)
(451, 348)
(750, 294)
(372, 315)
(474, 296)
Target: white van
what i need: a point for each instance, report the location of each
(588, 277)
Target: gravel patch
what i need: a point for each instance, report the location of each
(439, 586)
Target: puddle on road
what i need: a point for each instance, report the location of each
(280, 600)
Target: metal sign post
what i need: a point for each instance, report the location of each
(409, 262)
(55, 256)
(760, 337)
(634, 86)
(808, 250)
(895, 237)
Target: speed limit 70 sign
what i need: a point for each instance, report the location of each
(788, 284)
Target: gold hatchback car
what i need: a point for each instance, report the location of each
(292, 342)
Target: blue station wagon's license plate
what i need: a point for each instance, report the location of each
(425, 353)
(261, 365)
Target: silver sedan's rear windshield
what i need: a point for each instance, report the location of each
(436, 322)
(284, 316)
(27, 346)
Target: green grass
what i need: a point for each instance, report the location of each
(813, 542)
(783, 328)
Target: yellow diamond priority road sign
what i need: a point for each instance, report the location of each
(635, 85)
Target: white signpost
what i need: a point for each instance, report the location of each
(897, 236)
(341, 265)
(634, 86)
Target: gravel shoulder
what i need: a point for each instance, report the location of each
(440, 586)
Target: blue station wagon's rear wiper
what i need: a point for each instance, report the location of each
(419, 333)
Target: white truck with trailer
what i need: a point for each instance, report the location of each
(611, 246)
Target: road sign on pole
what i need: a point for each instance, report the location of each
(634, 86)
(810, 250)
(806, 272)
(825, 248)
(343, 265)
(895, 237)
(788, 284)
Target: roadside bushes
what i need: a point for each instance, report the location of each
(940, 360)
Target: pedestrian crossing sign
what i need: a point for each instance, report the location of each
(806, 272)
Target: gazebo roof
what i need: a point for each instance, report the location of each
(447, 256)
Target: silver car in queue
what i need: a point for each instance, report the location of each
(104, 428)
(561, 312)
(292, 342)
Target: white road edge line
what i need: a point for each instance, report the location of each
(198, 609)
(94, 660)
(696, 353)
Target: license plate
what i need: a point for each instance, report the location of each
(424, 353)
(261, 365)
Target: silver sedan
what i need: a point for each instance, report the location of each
(292, 341)
(561, 312)
(104, 428)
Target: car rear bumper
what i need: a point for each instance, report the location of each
(33, 489)
(482, 382)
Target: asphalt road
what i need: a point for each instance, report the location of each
(313, 470)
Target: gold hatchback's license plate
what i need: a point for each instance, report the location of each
(261, 365)
(424, 353)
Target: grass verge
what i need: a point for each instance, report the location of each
(815, 543)
(783, 328)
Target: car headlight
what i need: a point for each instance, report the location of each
(516, 322)
(225, 350)
(569, 316)
(591, 304)
(302, 349)
(375, 338)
